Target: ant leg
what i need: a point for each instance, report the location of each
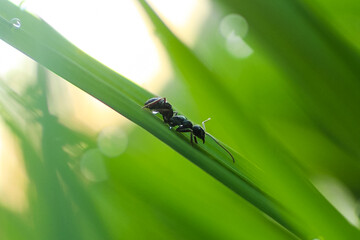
(185, 129)
(232, 157)
(195, 139)
(181, 128)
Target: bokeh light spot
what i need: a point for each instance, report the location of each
(234, 28)
(237, 47)
(112, 141)
(92, 166)
(233, 24)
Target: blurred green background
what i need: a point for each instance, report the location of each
(280, 80)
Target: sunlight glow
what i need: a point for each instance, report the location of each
(183, 17)
(115, 33)
(13, 179)
(12, 60)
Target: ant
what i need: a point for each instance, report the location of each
(160, 105)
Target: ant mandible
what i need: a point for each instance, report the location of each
(160, 105)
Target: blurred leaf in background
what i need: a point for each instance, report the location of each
(280, 80)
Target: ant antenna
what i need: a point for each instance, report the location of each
(221, 145)
(203, 123)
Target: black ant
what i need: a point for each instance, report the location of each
(160, 105)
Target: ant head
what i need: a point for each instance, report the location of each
(199, 132)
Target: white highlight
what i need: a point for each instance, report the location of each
(234, 28)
